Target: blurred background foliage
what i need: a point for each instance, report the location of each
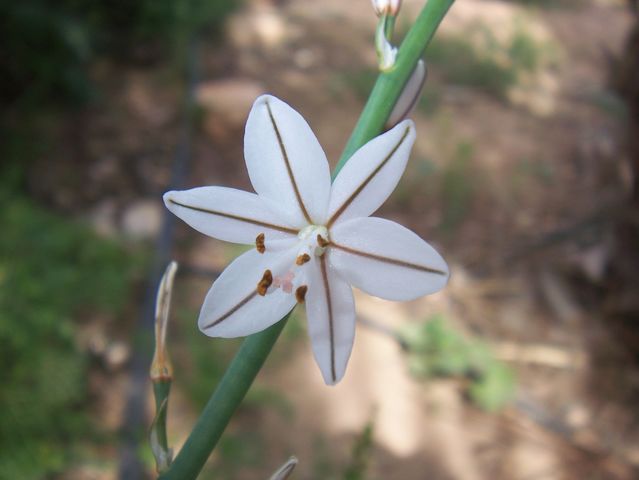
(48, 49)
(436, 349)
(51, 269)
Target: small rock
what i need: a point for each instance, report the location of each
(578, 416)
(143, 219)
(594, 262)
(228, 101)
(262, 26)
(106, 167)
(92, 337)
(116, 355)
(305, 58)
(143, 101)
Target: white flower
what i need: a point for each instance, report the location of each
(313, 239)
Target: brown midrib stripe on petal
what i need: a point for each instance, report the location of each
(287, 162)
(280, 228)
(329, 306)
(234, 309)
(392, 261)
(359, 189)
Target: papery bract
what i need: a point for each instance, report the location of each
(313, 239)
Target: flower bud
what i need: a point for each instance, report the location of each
(162, 373)
(386, 7)
(386, 53)
(161, 368)
(285, 470)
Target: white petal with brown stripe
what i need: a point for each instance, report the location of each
(228, 214)
(234, 308)
(285, 161)
(371, 174)
(330, 310)
(385, 259)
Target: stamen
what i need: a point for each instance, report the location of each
(300, 293)
(267, 280)
(302, 259)
(259, 243)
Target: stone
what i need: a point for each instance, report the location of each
(142, 220)
(260, 26)
(230, 98)
(226, 104)
(116, 355)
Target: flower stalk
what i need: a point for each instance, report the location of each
(256, 347)
(161, 372)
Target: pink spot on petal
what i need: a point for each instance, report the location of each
(285, 282)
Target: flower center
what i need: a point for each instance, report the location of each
(315, 238)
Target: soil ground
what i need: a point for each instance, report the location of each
(515, 187)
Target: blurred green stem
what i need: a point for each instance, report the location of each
(161, 392)
(255, 349)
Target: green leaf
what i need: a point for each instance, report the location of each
(494, 389)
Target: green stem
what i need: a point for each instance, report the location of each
(389, 25)
(220, 408)
(389, 85)
(255, 349)
(161, 390)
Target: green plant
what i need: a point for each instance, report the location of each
(461, 63)
(51, 270)
(458, 186)
(323, 466)
(436, 350)
(478, 59)
(361, 453)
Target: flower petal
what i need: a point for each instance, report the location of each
(233, 308)
(385, 259)
(330, 310)
(285, 161)
(371, 174)
(228, 214)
